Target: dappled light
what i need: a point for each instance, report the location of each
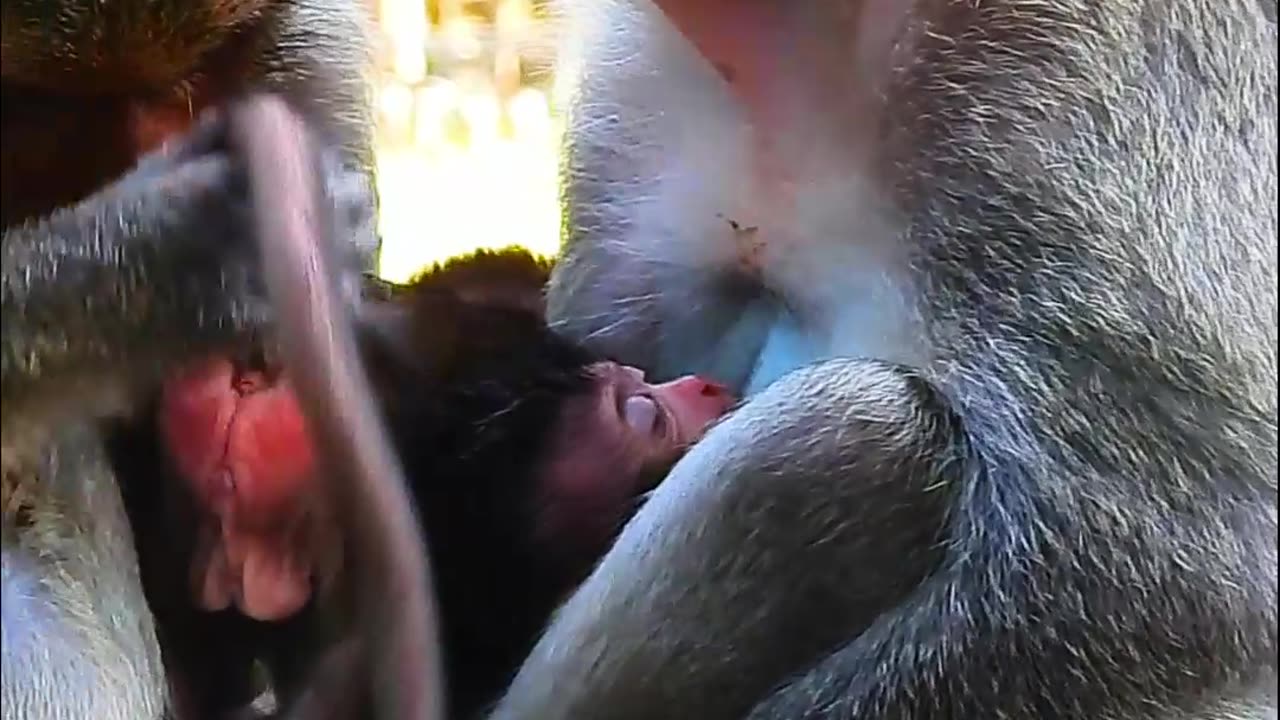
(468, 132)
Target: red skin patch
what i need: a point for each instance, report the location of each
(241, 444)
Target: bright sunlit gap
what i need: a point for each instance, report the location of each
(467, 146)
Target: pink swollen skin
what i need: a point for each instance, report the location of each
(695, 403)
(240, 441)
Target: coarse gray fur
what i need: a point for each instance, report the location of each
(101, 297)
(1010, 344)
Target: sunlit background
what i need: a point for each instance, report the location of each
(468, 132)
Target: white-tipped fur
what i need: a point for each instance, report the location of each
(1032, 472)
(833, 274)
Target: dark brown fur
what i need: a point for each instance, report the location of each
(471, 383)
